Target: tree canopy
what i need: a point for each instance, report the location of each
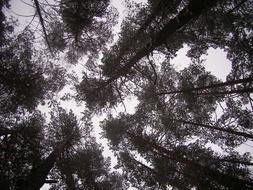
(188, 126)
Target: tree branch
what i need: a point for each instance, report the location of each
(152, 66)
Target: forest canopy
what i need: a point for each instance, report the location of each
(188, 126)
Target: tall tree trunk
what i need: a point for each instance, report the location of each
(157, 10)
(193, 10)
(226, 180)
(37, 5)
(227, 92)
(70, 181)
(230, 131)
(172, 182)
(234, 161)
(37, 177)
(65, 167)
(217, 85)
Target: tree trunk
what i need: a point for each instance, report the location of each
(230, 131)
(227, 83)
(194, 9)
(160, 6)
(227, 92)
(174, 183)
(66, 170)
(226, 180)
(70, 181)
(234, 161)
(42, 25)
(37, 177)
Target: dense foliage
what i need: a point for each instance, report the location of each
(188, 126)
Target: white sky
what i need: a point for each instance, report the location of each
(216, 63)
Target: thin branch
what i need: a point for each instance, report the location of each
(45, 12)
(143, 74)
(250, 101)
(135, 83)
(152, 66)
(20, 14)
(121, 99)
(30, 22)
(127, 88)
(27, 3)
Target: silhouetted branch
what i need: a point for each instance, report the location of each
(152, 66)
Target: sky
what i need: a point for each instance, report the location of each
(215, 62)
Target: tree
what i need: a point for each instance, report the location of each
(29, 163)
(64, 135)
(24, 81)
(189, 161)
(76, 28)
(165, 143)
(36, 178)
(22, 150)
(79, 165)
(77, 15)
(28, 78)
(194, 9)
(5, 26)
(121, 60)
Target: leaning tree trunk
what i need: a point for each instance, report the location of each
(226, 180)
(229, 131)
(193, 10)
(37, 177)
(211, 86)
(172, 182)
(37, 5)
(65, 168)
